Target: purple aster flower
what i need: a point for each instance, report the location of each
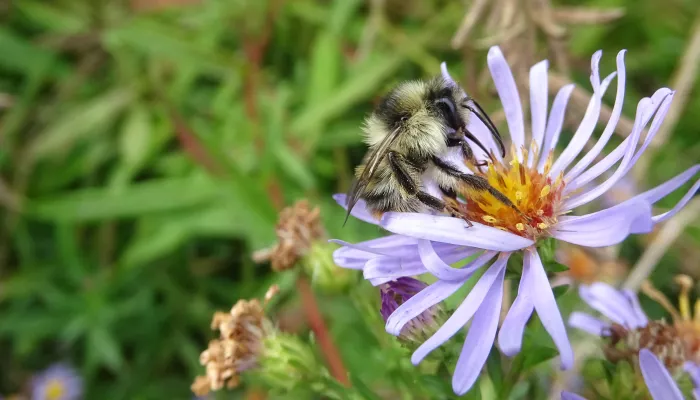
(58, 382)
(395, 293)
(658, 345)
(659, 381)
(545, 190)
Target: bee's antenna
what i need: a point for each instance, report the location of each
(476, 141)
(487, 121)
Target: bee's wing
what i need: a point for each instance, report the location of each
(375, 157)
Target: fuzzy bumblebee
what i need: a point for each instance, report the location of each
(413, 125)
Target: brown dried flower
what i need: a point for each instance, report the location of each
(299, 226)
(241, 333)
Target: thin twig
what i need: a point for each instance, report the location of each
(542, 14)
(318, 326)
(586, 15)
(470, 19)
(662, 241)
(683, 83)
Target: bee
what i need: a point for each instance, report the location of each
(412, 126)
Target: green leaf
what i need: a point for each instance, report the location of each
(158, 40)
(553, 266)
(560, 290)
(143, 198)
(363, 389)
(53, 17)
(536, 355)
(494, 366)
(292, 166)
(22, 56)
(135, 139)
(104, 349)
(79, 122)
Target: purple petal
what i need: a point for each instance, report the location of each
(415, 306)
(452, 230)
(641, 317)
(606, 227)
(441, 270)
(479, 341)
(555, 122)
(359, 211)
(645, 110)
(587, 125)
(446, 74)
(508, 93)
(571, 396)
(409, 263)
(659, 382)
(693, 370)
(617, 302)
(547, 308)
(587, 323)
(510, 337)
(355, 255)
(464, 312)
(618, 311)
(661, 191)
(689, 195)
(612, 122)
(392, 268)
(538, 104)
(384, 246)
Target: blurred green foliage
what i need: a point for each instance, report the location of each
(144, 154)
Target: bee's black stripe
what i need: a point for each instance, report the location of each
(397, 161)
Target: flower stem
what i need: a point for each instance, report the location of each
(318, 326)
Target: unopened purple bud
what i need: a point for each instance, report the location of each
(397, 292)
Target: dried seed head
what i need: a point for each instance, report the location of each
(298, 228)
(241, 335)
(658, 336)
(674, 343)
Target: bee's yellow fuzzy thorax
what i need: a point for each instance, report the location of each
(533, 193)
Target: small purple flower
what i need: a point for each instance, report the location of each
(395, 293)
(58, 382)
(659, 381)
(545, 190)
(635, 334)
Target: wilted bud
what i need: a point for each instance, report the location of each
(325, 274)
(420, 328)
(285, 361)
(241, 335)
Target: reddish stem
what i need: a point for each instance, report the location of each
(318, 326)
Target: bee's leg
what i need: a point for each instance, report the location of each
(467, 151)
(476, 182)
(399, 166)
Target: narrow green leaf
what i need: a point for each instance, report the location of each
(79, 122)
(149, 197)
(135, 137)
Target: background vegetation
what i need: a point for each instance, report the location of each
(147, 146)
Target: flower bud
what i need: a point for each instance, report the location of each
(325, 274)
(285, 361)
(420, 328)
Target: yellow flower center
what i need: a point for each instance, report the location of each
(55, 389)
(535, 194)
